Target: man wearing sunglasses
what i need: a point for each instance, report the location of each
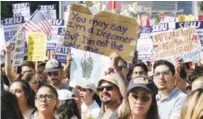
(55, 73)
(169, 99)
(112, 90)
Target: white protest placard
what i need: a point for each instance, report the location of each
(21, 9)
(144, 44)
(198, 25)
(57, 34)
(19, 48)
(49, 11)
(178, 43)
(87, 67)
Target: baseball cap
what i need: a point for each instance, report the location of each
(65, 94)
(144, 82)
(53, 65)
(88, 85)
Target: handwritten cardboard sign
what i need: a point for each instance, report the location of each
(195, 24)
(181, 42)
(102, 33)
(37, 42)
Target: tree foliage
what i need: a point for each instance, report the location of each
(6, 7)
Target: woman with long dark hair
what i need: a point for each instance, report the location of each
(25, 96)
(46, 101)
(141, 100)
(9, 106)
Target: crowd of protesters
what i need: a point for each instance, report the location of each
(42, 91)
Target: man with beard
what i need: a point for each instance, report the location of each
(55, 73)
(169, 98)
(112, 91)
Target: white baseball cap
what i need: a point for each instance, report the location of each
(65, 94)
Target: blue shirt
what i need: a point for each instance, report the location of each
(172, 105)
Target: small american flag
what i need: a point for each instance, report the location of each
(38, 23)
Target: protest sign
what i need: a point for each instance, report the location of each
(198, 25)
(37, 42)
(177, 43)
(11, 26)
(87, 67)
(21, 9)
(19, 48)
(102, 33)
(49, 11)
(61, 53)
(57, 34)
(144, 44)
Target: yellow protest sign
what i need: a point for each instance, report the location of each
(182, 42)
(102, 33)
(37, 42)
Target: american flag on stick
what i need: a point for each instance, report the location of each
(38, 23)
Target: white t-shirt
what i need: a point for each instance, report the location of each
(90, 111)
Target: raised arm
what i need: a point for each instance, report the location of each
(68, 64)
(8, 66)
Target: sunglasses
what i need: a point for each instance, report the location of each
(107, 88)
(143, 98)
(46, 96)
(55, 73)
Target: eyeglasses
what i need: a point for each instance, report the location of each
(55, 73)
(108, 88)
(164, 73)
(46, 96)
(143, 98)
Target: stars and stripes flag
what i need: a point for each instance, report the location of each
(38, 23)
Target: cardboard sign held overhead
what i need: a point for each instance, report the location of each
(178, 43)
(102, 33)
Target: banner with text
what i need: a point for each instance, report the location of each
(177, 43)
(21, 9)
(102, 33)
(37, 42)
(49, 11)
